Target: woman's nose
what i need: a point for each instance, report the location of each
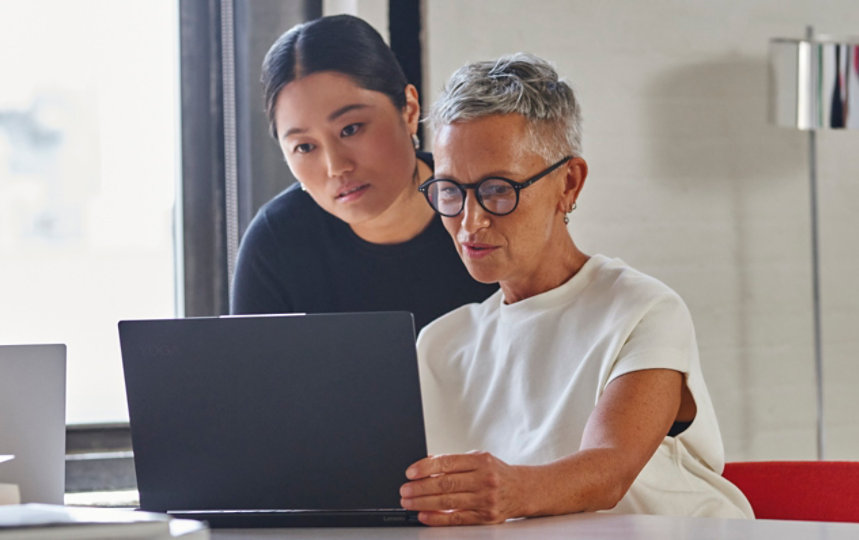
(474, 217)
(338, 162)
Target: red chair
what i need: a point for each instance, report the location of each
(799, 490)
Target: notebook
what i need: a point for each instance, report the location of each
(277, 420)
(33, 420)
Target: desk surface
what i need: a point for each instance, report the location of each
(583, 527)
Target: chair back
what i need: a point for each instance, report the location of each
(799, 490)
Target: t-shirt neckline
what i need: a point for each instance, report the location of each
(557, 296)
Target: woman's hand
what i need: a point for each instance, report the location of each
(463, 489)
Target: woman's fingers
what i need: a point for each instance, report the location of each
(445, 464)
(461, 489)
(458, 517)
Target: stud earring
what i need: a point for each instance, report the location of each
(301, 185)
(416, 141)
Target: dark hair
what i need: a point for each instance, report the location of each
(341, 43)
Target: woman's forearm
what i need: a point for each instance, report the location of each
(589, 480)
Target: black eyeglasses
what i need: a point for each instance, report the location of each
(498, 196)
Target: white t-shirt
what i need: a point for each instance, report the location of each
(521, 380)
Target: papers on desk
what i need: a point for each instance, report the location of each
(44, 521)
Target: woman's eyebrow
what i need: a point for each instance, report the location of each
(292, 131)
(346, 108)
(502, 173)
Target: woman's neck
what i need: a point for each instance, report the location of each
(551, 274)
(406, 218)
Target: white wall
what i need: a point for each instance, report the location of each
(689, 183)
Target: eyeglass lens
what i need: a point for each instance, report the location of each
(494, 194)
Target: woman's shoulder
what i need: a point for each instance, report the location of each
(626, 295)
(290, 211)
(624, 281)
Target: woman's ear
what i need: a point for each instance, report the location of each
(412, 110)
(574, 181)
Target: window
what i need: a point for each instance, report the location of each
(89, 150)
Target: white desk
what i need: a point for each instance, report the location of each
(580, 527)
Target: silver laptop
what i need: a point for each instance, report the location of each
(33, 420)
(272, 421)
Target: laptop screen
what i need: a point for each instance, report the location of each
(315, 411)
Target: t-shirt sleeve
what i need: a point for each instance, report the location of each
(258, 281)
(663, 338)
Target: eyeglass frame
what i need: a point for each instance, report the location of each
(517, 187)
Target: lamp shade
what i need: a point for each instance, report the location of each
(814, 83)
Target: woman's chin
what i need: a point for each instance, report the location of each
(481, 273)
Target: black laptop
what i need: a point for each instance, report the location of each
(276, 420)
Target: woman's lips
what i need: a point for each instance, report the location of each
(476, 250)
(351, 193)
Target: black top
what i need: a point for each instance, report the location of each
(296, 257)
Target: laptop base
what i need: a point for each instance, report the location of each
(246, 519)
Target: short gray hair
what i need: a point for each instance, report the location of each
(519, 83)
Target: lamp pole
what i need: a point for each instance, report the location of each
(815, 275)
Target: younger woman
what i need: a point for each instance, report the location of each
(355, 234)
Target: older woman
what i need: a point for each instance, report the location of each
(577, 386)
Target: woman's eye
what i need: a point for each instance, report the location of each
(497, 190)
(350, 130)
(303, 148)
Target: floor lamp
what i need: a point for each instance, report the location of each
(814, 84)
